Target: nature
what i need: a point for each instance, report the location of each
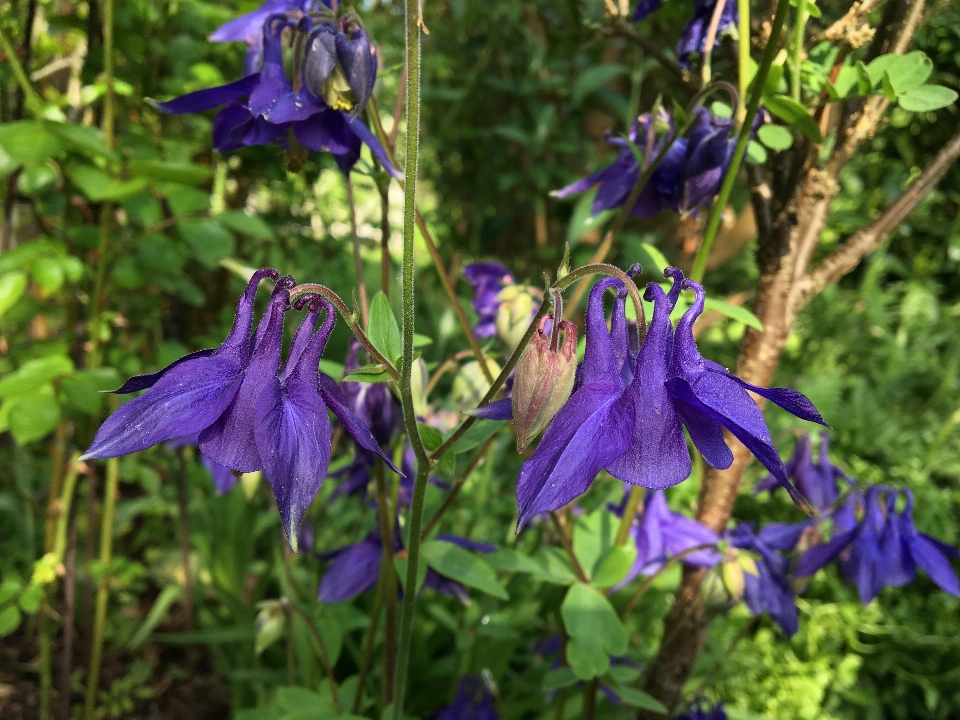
(630, 324)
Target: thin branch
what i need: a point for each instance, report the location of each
(568, 547)
(646, 584)
(868, 239)
(621, 28)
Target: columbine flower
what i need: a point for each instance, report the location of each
(661, 534)
(693, 38)
(770, 590)
(635, 430)
(473, 701)
(487, 280)
(264, 108)
(355, 568)
(688, 177)
(340, 66)
(818, 482)
(884, 548)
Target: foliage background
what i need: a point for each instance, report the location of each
(517, 96)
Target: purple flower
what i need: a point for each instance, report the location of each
(693, 38)
(473, 701)
(264, 107)
(631, 424)
(339, 64)
(769, 591)
(249, 414)
(688, 176)
(371, 402)
(884, 548)
(699, 712)
(661, 534)
(818, 482)
(487, 280)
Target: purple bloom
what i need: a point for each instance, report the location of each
(339, 65)
(693, 38)
(263, 107)
(698, 712)
(770, 590)
(661, 534)
(818, 482)
(487, 280)
(631, 424)
(473, 701)
(688, 177)
(884, 548)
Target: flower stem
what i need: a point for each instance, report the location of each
(646, 584)
(33, 100)
(103, 590)
(387, 583)
(743, 71)
(357, 260)
(796, 61)
(567, 543)
(629, 514)
(713, 222)
(412, 31)
(710, 39)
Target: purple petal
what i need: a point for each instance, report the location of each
(444, 585)
(333, 397)
(589, 432)
(817, 557)
(792, 401)
(210, 98)
(584, 184)
(142, 382)
(354, 570)
(645, 8)
(599, 362)
(357, 127)
(320, 58)
(496, 410)
(249, 25)
(185, 400)
(359, 64)
(929, 557)
(783, 536)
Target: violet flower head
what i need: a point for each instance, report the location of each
(487, 280)
(340, 65)
(818, 482)
(688, 176)
(661, 534)
(693, 37)
(770, 591)
(263, 108)
(473, 701)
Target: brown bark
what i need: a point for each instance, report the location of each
(790, 222)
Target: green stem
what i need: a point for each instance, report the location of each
(796, 61)
(103, 590)
(629, 514)
(387, 582)
(743, 74)
(357, 260)
(647, 583)
(412, 28)
(33, 100)
(568, 547)
(713, 222)
(710, 39)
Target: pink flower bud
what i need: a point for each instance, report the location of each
(544, 379)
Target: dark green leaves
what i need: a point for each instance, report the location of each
(794, 114)
(594, 630)
(902, 78)
(463, 566)
(383, 329)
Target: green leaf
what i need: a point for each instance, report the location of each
(927, 98)
(476, 434)
(615, 565)
(559, 678)
(432, 439)
(902, 73)
(369, 374)
(29, 143)
(252, 225)
(795, 114)
(594, 630)
(9, 619)
(161, 171)
(209, 241)
(593, 537)
(864, 84)
(34, 415)
(734, 312)
(463, 566)
(775, 137)
(29, 601)
(383, 329)
(48, 273)
(774, 78)
(640, 699)
(846, 81)
(400, 567)
(35, 373)
(12, 285)
(158, 611)
(84, 139)
(99, 186)
(592, 79)
(756, 153)
(583, 221)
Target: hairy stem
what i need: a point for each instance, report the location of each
(743, 57)
(796, 52)
(387, 582)
(357, 260)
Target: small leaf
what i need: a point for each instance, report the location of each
(432, 439)
(9, 620)
(640, 699)
(35, 373)
(615, 565)
(209, 241)
(161, 171)
(383, 329)
(775, 137)
(99, 186)
(795, 114)
(367, 374)
(756, 153)
(12, 285)
(927, 98)
(30, 599)
(594, 630)
(269, 625)
(734, 312)
(846, 81)
(34, 415)
(463, 566)
(252, 225)
(900, 73)
(88, 140)
(559, 678)
(476, 434)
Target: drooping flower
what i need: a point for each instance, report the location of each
(661, 534)
(693, 37)
(487, 280)
(818, 483)
(770, 590)
(340, 65)
(635, 430)
(473, 701)
(266, 108)
(688, 176)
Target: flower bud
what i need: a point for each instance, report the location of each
(544, 379)
(518, 304)
(340, 65)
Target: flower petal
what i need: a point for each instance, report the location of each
(357, 127)
(817, 557)
(209, 98)
(929, 557)
(354, 570)
(333, 397)
(142, 382)
(792, 401)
